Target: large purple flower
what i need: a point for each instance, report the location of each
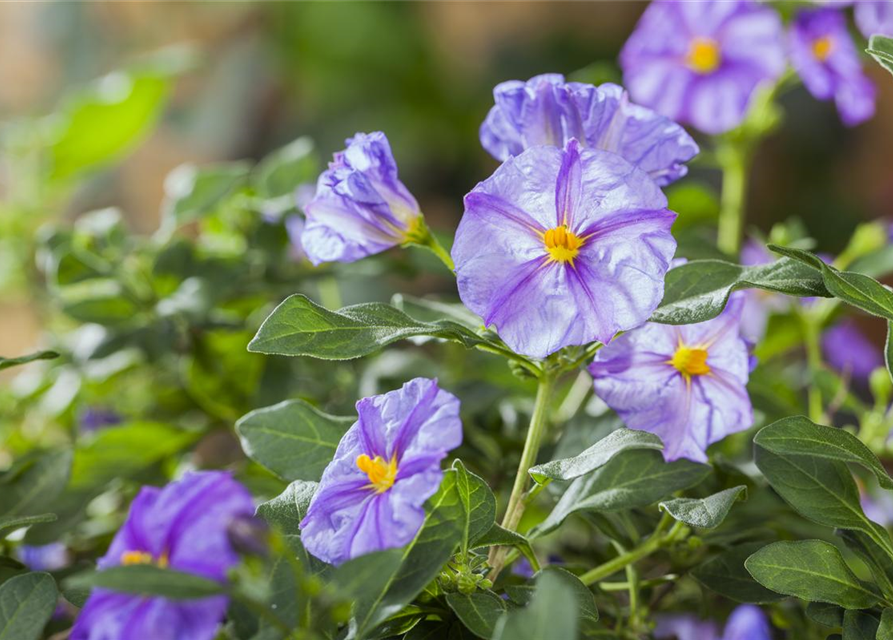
(548, 110)
(874, 16)
(372, 495)
(182, 526)
(563, 247)
(687, 384)
(700, 62)
(824, 55)
(360, 207)
(847, 350)
(747, 622)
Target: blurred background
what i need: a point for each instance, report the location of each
(243, 79)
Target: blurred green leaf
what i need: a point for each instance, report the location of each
(293, 439)
(694, 202)
(812, 570)
(283, 171)
(829, 615)
(192, 192)
(705, 513)
(880, 47)
(860, 625)
(6, 363)
(26, 489)
(12, 523)
(100, 300)
(725, 574)
(885, 629)
(552, 613)
(26, 604)
(147, 580)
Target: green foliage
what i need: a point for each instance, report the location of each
(880, 48)
(148, 580)
(552, 613)
(705, 513)
(26, 603)
(6, 363)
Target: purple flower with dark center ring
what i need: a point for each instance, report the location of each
(847, 350)
(372, 495)
(46, 557)
(874, 17)
(747, 622)
(824, 55)
(563, 247)
(360, 207)
(547, 110)
(687, 384)
(699, 63)
(182, 526)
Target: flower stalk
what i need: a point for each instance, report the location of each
(734, 160)
(421, 236)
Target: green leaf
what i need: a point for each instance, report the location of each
(853, 288)
(283, 171)
(632, 479)
(725, 574)
(26, 604)
(499, 536)
(595, 456)
(382, 583)
(192, 192)
(125, 451)
(798, 435)
(880, 47)
(6, 363)
(478, 504)
(292, 439)
(812, 570)
(877, 559)
(100, 300)
(552, 613)
(26, 490)
(829, 615)
(586, 608)
(705, 513)
(699, 290)
(479, 611)
(885, 629)
(148, 580)
(288, 508)
(300, 327)
(859, 625)
(821, 490)
(888, 349)
(12, 523)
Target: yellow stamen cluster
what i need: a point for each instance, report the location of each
(563, 245)
(690, 361)
(703, 55)
(381, 474)
(822, 48)
(142, 557)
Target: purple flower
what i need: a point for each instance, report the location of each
(547, 110)
(700, 62)
(360, 207)
(846, 349)
(182, 526)
(824, 55)
(97, 418)
(372, 495)
(747, 622)
(563, 247)
(758, 304)
(687, 384)
(878, 506)
(47, 557)
(874, 16)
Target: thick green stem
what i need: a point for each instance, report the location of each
(421, 236)
(535, 432)
(734, 161)
(812, 338)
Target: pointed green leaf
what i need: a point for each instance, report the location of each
(6, 363)
(26, 604)
(880, 47)
(812, 570)
(860, 625)
(300, 327)
(595, 456)
(499, 536)
(478, 504)
(12, 523)
(293, 439)
(705, 513)
(479, 611)
(288, 508)
(885, 629)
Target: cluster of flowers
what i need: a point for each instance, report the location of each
(566, 244)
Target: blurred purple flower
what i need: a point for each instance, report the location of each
(824, 55)
(758, 304)
(97, 418)
(547, 110)
(700, 62)
(360, 207)
(563, 247)
(47, 557)
(372, 495)
(747, 622)
(874, 16)
(878, 506)
(294, 226)
(846, 349)
(182, 526)
(686, 384)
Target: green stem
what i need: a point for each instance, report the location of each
(811, 339)
(421, 236)
(329, 292)
(535, 432)
(734, 161)
(650, 545)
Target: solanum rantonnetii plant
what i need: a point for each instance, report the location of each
(579, 443)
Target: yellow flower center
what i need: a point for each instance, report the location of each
(822, 47)
(690, 361)
(381, 474)
(142, 557)
(703, 55)
(563, 245)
